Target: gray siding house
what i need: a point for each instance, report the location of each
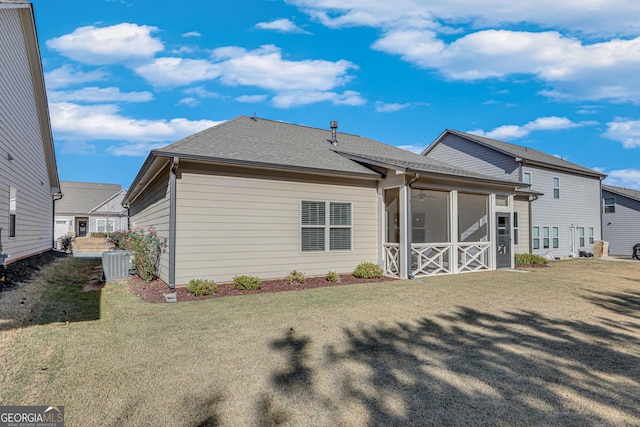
(89, 207)
(29, 181)
(620, 219)
(559, 213)
(261, 197)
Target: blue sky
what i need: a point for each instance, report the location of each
(126, 76)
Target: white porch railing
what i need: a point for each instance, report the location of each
(428, 259)
(392, 258)
(474, 256)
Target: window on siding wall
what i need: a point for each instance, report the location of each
(526, 177)
(555, 237)
(545, 237)
(609, 205)
(556, 188)
(535, 234)
(13, 200)
(581, 236)
(516, 238)
(591, 239)
(107, 225)
(322, 232)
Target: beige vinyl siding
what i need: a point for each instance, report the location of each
(151, 209)
(522, 208)
(249, 223)
(21, 137)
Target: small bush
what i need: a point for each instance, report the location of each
(202, 287)
(66, 242)
(368, 270)
(248, 283)
(529, 259)
(295, 276)
(332, 276)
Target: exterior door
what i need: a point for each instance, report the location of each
(503, 240)
(82, 228)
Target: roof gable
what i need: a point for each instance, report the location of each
(87, 197)
(520, 153)
(625, 192)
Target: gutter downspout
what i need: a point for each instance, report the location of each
(172, 224)
(409, 224)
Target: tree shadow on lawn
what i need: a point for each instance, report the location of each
(475, 368)
(626, 303)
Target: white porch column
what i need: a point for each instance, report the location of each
(404, 233)
(493, 232)
(453, 221)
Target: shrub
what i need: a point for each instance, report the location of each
(248, 283)
(529, 259)
(295, 276)
(147, 247)
(368, 270)
(332, 276)
(98, 234)
(66, 242)
(202, 287)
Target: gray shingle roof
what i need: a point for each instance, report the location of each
(627, 192)
(82, 197)
(527, 153)
(250, 140)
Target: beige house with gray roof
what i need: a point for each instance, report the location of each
(260, 197)
(29, 181)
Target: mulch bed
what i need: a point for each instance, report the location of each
(153, 291)
(24, 270)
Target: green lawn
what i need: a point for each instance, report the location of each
(555, 346)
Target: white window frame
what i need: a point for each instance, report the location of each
(590, 235)
(611, 205)
(581, 239)
(556, 187)
(13, 217)
(535, 237)
(555, 237)
(327, 226)
(106, 222)
(516, 227)
(546, 238)
(526, 177)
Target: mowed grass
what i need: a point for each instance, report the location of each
(555, 346)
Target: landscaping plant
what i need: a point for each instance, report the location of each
(295, 276)
(66, 242)
(202, 287)
(248, 283)
(368, 270)
(530, 259)
(147, 247)
(332, 276)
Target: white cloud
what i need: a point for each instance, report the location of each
(67, 75)
(171, 72)
(191, 34)
(508, 132)
(201, 92)
(281, 25)
(104, 122)
(108, 45)
(418, 149)
(97, 94)
(625, 131)
(189, 102)
(627, 178)
(573, 68)
(382, 107)
(265, 68)
(251, 99)
(297, 98)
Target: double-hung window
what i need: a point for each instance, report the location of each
(107, 225)
(556, 237)
(325, 226)
(556, 188)
(526, 177)
(581, 236)
(609, 205)
(545, 237)
(591, 236)
(13, 195)
(535, 233)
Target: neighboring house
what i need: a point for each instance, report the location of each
(29, 181)
(90, 207)
(559, 213)
(620, 219)
(260, 197)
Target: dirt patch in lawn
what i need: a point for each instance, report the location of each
(24, 270)
(153, 291)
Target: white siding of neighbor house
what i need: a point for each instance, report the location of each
(578, 206)
(462, 153)
(621, 228)
(522, 208)
(151, 209)
(233, 222)
(22, 139)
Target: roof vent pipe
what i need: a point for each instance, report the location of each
(334, 126)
